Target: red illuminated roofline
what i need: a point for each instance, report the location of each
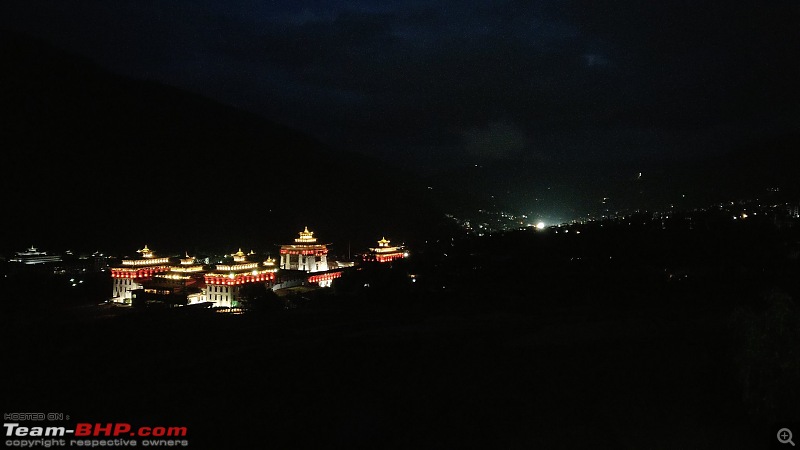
(324, 277)
(241, 278)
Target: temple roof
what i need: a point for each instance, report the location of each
(239, 256)
(306, 236)
(146, 252)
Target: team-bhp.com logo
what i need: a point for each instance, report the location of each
(95, 430)
(84, 434)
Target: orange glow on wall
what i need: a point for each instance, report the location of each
(145, 272)
(324, 277)
(382, 258)
(241, 278)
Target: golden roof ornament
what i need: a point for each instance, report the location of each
(306, 236)
(239, 256)
(146, 252)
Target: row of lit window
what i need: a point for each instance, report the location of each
(327, 276)
(305, 252)
(148, 262)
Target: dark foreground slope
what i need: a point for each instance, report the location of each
(649, 379)
(619, 337)
(93, 159)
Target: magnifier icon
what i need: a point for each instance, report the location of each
(785, 436)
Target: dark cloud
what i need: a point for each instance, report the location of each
(412, 79)
(499, 140)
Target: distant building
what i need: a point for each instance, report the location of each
(183, 284)
(305, 254)
(225, 281)
(130, 275)
(152, 281)
(385, 252)
(34, 256)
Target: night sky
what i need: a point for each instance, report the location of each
(435, 84)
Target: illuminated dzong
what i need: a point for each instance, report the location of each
(186, 281)
(305, 254)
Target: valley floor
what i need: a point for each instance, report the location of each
(648, 379)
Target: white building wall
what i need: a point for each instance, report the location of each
(291, 262)
(121, 290)
(197, 298)
(223, 296)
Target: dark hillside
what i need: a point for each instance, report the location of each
(116, 163)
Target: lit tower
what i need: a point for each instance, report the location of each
(385, 253)
(133, 272)
(224, 283)
(305, 254)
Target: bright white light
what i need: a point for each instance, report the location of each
(540, 226)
